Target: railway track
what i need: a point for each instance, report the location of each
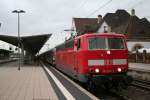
(120, 96)
(104, 94)
(141, 84)
(101, 93)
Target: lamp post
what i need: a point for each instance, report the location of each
(19, 41)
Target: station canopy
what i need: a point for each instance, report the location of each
(31, 44)
(4, 51)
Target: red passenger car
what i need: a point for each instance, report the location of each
(96, 59)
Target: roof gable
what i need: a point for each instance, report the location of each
(122, 22)
(117, 18)
(85, 24)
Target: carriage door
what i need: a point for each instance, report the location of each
(76, 54)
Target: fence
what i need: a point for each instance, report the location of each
(139, 57)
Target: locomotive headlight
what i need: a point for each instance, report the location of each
(97, 70)
(108, 52)
(119, 69)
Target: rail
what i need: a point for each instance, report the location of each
(141, 84)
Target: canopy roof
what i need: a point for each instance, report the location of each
(31, 44)
(5, 51)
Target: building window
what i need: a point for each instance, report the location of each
(105, 29)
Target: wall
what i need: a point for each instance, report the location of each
(132, 43)
(101, 29)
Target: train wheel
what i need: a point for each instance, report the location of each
(124, 85)
(108, 86)
(90, 86)
(118, 87)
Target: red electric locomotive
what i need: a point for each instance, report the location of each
(96, 59)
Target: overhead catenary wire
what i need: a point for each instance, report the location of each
(136, 5)
(104, 5)
(81, 6)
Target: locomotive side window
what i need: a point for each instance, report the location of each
(116, 43)
(97, 43)
(78, 44)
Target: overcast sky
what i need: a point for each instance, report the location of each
(53, 16)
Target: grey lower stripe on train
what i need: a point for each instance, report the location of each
(119, 61)
(95, 62)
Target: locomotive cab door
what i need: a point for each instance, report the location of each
(76, 51)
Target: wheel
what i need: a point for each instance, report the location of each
(123, 85)
(108, 86)
(90, 86)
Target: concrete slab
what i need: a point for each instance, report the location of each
(30, 83)
(139, 66)
(139, 71)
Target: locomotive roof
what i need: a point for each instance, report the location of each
(103, 34)
(94, 34)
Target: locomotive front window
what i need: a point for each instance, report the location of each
(115, 43)
(105, 43)
(97, 43)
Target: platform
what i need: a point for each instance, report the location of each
(30, 83)
(139, 71)
(140, 66)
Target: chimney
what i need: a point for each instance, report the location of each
(99, 19)
(133, 12)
